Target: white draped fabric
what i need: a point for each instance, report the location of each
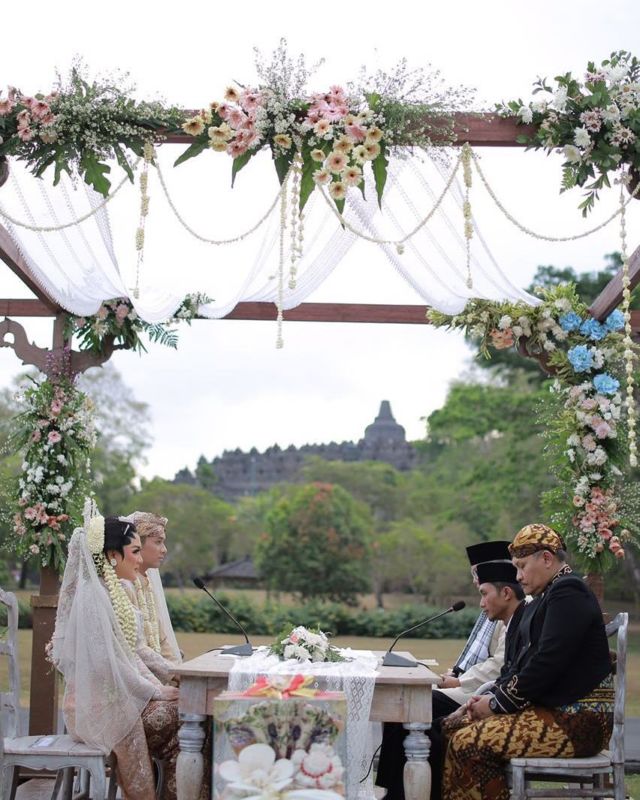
(355, 677)
(85, 264)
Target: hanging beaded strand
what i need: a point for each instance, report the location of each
(628, 342)
(466, 208)
(149, 155)
(281, 257)
(296, 233)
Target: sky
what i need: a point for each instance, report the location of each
(227, 386)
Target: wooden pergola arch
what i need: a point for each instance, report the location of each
(479, 130)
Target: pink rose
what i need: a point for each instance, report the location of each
(54, 437)
(620, 553)
(605, 533)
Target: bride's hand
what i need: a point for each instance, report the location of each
(169, 693)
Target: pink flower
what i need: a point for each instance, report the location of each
(605, 533)
(620, 553)
(578, 501)
(34, 549)
(356, 132)
(23, 118)
(603, 430)
(36, 436)
(589, 404)
(25, 134)
(589, 443)
(223, 110)
(250, 100)
(237, 118)
(54, 437)
(40, 109)
(56, 408)
(22, 502)
(30, 513)
(313, 115)
(337, 93)
(502, 339)
(236, 148)
(6, 107)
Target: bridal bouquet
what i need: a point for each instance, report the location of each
(306, 644)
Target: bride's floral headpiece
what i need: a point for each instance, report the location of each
(94, 526)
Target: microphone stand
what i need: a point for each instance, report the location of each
(394, 660)
(234, 650)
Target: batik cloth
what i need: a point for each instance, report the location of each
(477, 752)
(476, 648)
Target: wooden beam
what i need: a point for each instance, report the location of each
(11, 256)
(25, 308)
(480, 130)
(334, 312)
(611, 296)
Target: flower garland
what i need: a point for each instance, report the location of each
(594, 122)
(583, 416)
(117, 320)
(56, 433)
(305, 644)
(147, 607)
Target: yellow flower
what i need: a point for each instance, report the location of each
(373, 134)
(193, 126)
(352, 176)
(231, 94)
(336, 162)
(344, 144)
(219, 145)
(283, 140)
(220, 132)
(350, 119)
(317, 155)
(372, 150)
(338, 190)
(360, 154)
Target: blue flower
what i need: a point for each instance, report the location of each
(580, 358)
(615, 320)
(593, 329)
(605, 384)
(570, 321)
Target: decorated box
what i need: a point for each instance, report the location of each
(281, 737)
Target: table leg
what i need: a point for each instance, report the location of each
(417, 770)
(189, 767)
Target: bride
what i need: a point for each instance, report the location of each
(112, 700)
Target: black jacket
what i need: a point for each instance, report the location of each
(561, 647)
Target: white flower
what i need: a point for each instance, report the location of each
(611, 113)
(573, 440)
(572, 154)
(571, 455)
(505, 322)
(256, 769)
(539, 105)
(517, 331)
(560, 99)
(615, 74)
(525, 114)
(581, 137)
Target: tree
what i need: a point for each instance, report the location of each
(199, 530)
(317, 544)
(124, 435)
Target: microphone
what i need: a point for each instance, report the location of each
(393, 660)
(238, 649)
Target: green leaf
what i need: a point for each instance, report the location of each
(372, 98)
(95, 172)
(379, 166)
(307, 184)
(240, 162)
(122, 160)
(193, 150)
(340, 206)
(282, 164)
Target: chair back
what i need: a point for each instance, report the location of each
(619, 625)
(10, 701)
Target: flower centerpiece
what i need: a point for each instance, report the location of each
(306, 644)
(594, 122)
(56, 434)
(585, 429)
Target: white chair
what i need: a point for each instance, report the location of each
(55, 753)
(587, 775)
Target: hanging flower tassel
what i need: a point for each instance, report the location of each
(296, 233)
(628, 342)
(149, 155)
(283, 230)
(466, 208)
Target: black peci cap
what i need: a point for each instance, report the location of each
(488, 551)
(496, 573)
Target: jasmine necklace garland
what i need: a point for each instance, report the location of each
(584, 426)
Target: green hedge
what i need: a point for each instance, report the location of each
(193, 614)
(190, 613)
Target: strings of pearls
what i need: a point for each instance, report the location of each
(147, 607)
(149, 155)
(124, 611)
(197, 235)
(281, 259)
(542, 236)
(628, 343)
(52, 228)
(466, 207)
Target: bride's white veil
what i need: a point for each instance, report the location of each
(104, 691)
(155, 581)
